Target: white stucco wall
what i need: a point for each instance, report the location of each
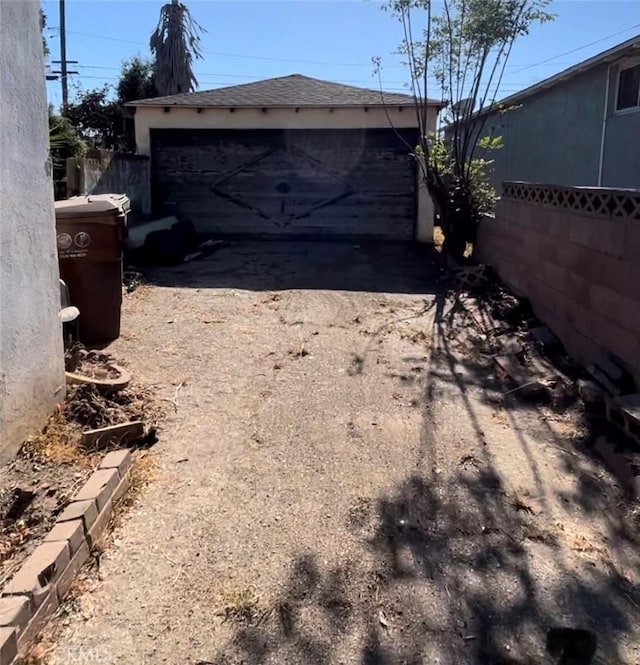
(148, 118)
(31, 358)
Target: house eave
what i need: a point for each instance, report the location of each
(408, 103)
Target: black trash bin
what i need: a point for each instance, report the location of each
(91, 233)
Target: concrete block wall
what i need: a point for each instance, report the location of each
(575, 253)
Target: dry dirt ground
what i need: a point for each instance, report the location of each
(341, 482)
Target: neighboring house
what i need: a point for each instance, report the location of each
(580, 127)
(291, 156)
(31, 358)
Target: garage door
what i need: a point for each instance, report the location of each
(287, 182)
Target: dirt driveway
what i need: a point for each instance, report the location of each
(340, 482)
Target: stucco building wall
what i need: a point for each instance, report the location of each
(31, 358)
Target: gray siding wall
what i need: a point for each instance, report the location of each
(621, 166)
(555, 136)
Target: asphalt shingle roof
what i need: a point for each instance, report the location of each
(286, 91)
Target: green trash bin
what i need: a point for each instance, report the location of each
(91, 233)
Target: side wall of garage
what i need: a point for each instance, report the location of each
(149, 118)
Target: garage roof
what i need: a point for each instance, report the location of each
(294, 90)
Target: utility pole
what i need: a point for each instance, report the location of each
(63, 62)
(63, 56)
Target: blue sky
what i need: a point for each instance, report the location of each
(335, 40)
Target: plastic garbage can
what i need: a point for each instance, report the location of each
(91, 233)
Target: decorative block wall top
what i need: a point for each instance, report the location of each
(620, 203)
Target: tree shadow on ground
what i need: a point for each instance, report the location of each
(451, 568)
(451, 582)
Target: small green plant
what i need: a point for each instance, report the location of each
(64, 142)
(473, 193)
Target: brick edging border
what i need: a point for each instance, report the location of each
(33, 594)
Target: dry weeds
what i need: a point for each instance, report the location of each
(438, 238)
(58, 443)
(143, 471)
(37, 653)
(241, 605)
(579, 543)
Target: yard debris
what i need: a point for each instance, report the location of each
(614, 378)
(619, 464)
(54, 463)
(543, 336)
(88, 408)
(299, 353)
(590, 392)
(94, 368)
(625, 413)
(630, 406)
(167, 241)
(603, 380)
(137, 233)
(121, 379)
(610, 368)
(510, 346)
(482, 318)
(239, 605)
(526, 382)
(526, 352)
(121, 435)
(174, 399)
(131, 280)
(206, 248)
(472, 277)
(356, 366)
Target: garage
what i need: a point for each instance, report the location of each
(288, 157)
(299, 183)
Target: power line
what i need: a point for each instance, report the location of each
(240, 55)
(248, 76)
(512, 86)
(579, 48)
(205, 75)
(273, 59)
(107, 79)
(518, 68)
(204, 80)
